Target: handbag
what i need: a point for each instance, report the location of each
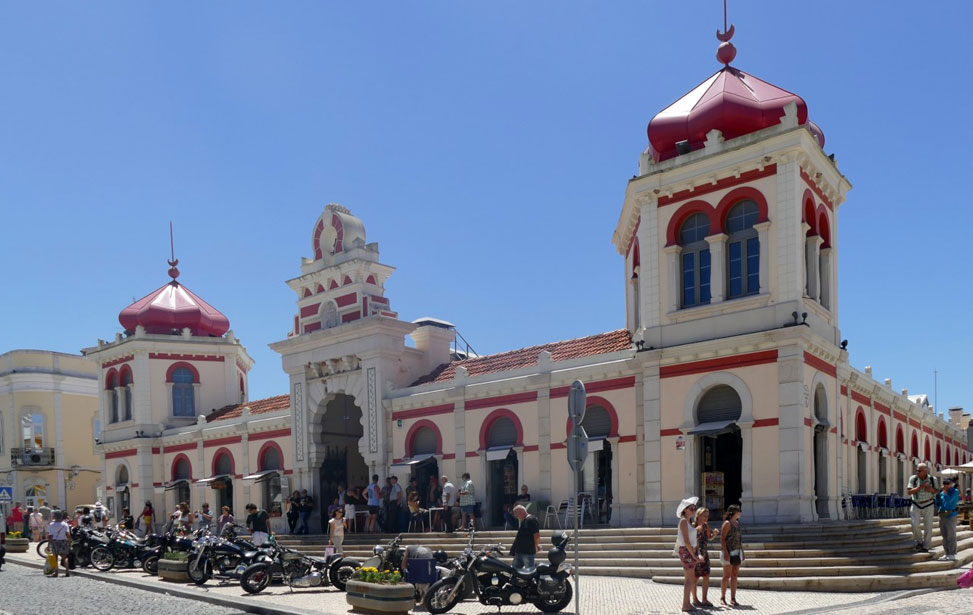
(736, 557)
(329, 551)
(50, 564)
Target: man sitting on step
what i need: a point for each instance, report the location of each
(922, 488)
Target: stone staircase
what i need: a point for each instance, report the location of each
(867, 555)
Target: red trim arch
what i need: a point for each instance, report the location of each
(316, 242)
(319, 289)
(307, 292)
(269, 444)
(824, 227)
(415, 429)
(370, 280)
(732, 198)
(899, 440)
(121, 375)
(928, 450)
(492, 418)
(883, 437)
(861, 426)
(111, 379)
(224, 451)
(179, 364)
(915, 445)
(684, 211)
(333, 284)
(939, 454)
(177, 459)
(808, 212)
(636, 258)
(949, 456)
(594, 400)
(346, 281)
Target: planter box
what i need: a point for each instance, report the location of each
(378, 598)
(172, 570)
(17, 545)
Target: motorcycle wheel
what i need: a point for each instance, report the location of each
(554, 605)
(255, 578)
(151, 565)
(437, 598)
(199, 572)
(102, 559)
(341, 572)
(42, 548)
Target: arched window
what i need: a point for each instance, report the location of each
(127, 392)
(424, 442)
(273, 499)
(915, 446)
(329, 315)
(695, 260)
(597, 422)
(183, 393)
(223, 466)
(111, 385)
(32, 426)
(719, 404)
(743, 250)
(503, 432)
(270, 460)
(861, 428)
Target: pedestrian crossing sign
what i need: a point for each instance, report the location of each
(6, 495)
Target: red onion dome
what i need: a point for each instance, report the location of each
(170, 309)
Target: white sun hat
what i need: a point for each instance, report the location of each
(691, 501)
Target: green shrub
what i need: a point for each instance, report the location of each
(176, 556)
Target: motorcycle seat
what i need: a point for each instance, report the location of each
(316, 559)
(526, 573)
(250, 554)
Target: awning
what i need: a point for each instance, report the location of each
(710, 429)
(212, 479)
(173, 484)
(406, 464)
(596, 445)
(498, 453)
(261, 475)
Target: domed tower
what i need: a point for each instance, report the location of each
(730, 227)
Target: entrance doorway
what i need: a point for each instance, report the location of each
(862, 470)
(596, 473)
(36, 494)
(503, 486)
(343, 464)
(720, 446)
(882, 474)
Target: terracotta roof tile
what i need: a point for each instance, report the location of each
(257, 406)
(603, 343)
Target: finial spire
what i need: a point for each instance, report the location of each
(173, 261)
(726, 51)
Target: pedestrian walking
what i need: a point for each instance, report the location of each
(293, 511)
(449, 501)
(703, 535)
(203, 518)
(307, 507)
(467, 500)
(922, 490)
(374, 495)
(128, 521)
(686, 548)
(731, 553)
(146, 518)
(45, 512)
(528, 540)
(336, 530)
(396, 500)
(100, 515)
(60, 537)
(257, 523)
(947, 501)
(35, 521)
(225, 519)
(16, 520)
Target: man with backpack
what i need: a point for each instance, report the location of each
(100, 515)
(922, 489)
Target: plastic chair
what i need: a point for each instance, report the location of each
(551, 512)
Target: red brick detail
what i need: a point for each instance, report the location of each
(726, 182)
(185, 357)
(630, 438)
(530, 448)
(310, 310)
(883, 409)
(350, 316)
(118, 454)
(377, 299)
(927, 429)
(118, 361)
(834, 430)
(855, 395)
(844, 390)
(817, 191)
(766, 422)
(156, 484)
(558, 445)
(420, 412)
(670, 432)
(472, 454)
(364, 307)
(820, 364)
(807, 422)
(449, 456)
(346, 300)
(155, 450)
(222, 441)
(175, 448)
(502, 400)
(915, 423)
(899, 416)
(135, 485)
(277, 433)
(713, 365)
(312, 326)
(597, 386)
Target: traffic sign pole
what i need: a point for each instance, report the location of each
(577, 453)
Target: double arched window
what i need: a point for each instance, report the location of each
(743, 250)
(695, 260)
(126, 390)
(111, 384)
(183, 392)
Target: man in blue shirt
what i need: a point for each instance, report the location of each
(947, 501)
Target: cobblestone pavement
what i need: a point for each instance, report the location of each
(26, 591)
(600, 596)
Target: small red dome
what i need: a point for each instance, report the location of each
(731, 101)
(170, 309)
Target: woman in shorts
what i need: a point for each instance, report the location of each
(59, 533)
(686, 549)
(731, 553)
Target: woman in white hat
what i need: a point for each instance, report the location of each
(686, 548)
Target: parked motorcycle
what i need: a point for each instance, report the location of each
(497, 583)
(123, 550)
(169, 540)
(224, 557)
(295, 568)
(388, 557)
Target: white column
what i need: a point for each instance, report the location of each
(130, 399)
(544, 439)
(650, 269)
(196, 403)
(168, 399)
(825, 276)
(673, 285)
(717, 267)
(763, 238)
(653, 506)
(811, 246)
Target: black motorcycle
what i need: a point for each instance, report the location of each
(388, 557)
(123, 550)
(170, 540)
(497, 583)
(293, 567)
(224, 557)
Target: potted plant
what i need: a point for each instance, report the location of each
(379, 591)
(16, 543)
(173, 565)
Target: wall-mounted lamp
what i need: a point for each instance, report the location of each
(844, 344)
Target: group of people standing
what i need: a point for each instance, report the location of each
(692, 547)
(299, 508)
(928, 499)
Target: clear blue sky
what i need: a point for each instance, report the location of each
(485, 145)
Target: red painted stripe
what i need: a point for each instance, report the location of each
(844, 390)
(472, 454)
(834, 430)
(118, 361)
(350, 316)
(938, 435)
(184, 357)
(820, 364)
(501, 400)
(277, 433)
(222, 441)
(419, 412)
(766, 422)
(310, 310)
(670, 432)
(134, 485)
(899, 416)
(558, 445)
(626, 439)
(726, 182)
(927, 429)
(883, 409)
(855, 395)
(312, 326)
(597, 386)
(156, 484)
(449, 456)
(117, 454)
(631, 240)
(712, 365)
(377, 299)
(914, 423)
(288, 472)
(155, 450)
(807, 422)
(817, 191)
(345, 300)
(530, 448)
(175, 448)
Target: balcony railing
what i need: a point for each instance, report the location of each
(32, 456)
